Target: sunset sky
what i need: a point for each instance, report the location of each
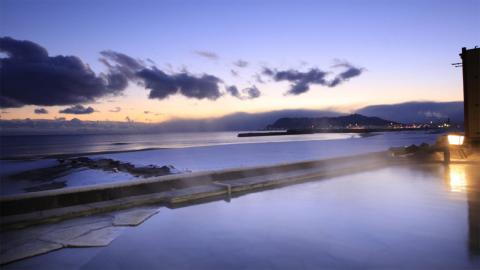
(285, 54)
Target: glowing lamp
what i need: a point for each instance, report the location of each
(455, 139)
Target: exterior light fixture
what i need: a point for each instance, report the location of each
(455, 139)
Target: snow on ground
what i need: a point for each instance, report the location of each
(258, 154)
(217, 157)
(78, 177)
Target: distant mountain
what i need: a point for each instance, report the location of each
(239, 121)
(417, 112)
(410, 112)
(346, 121)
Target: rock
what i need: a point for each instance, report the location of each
(397, 151)
(29, 249)
(83, 160)
(411, 149)
(424, 146)
(66, 166)
(133, 217)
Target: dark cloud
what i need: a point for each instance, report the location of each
(77, 109)
(6, 102)
(207, 54)
(205, 86)
(162, 85)
(146, 112)
(241, 63)
(301, 81)
(149, 60)
(122, 68)
(116, 81)
(115, 110)
(234, 72)
(40, 111)
(252, 92)
(258, 78)
(350, 72)
(233, 90)
(121, 64)
(31, 77)
(122, 60)
(248, 93)
(23, 50)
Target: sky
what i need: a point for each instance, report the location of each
(197, 59)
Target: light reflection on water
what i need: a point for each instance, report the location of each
(465, 180)
(417, 217)
(457, 178)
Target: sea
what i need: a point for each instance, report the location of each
(25, 146)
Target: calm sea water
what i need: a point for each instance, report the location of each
(45, 145)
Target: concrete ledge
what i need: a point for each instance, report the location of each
(243, 186)
(175, 190)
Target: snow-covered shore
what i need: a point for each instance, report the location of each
(217, 157)
(258, 154)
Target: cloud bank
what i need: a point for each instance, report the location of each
(160, 83)
(31, 77)
(246, 93)
(301, 81)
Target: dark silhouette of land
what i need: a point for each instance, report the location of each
(354, 123)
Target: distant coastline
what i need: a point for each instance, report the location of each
(345, 130)
(354, 123)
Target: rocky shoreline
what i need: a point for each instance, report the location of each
(66, 166)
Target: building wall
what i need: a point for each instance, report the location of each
(471, 93)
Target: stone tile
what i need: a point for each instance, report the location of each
(29, 249)
(82, 221)
(13, 238)
(97, 238)
(133, 217)
(63, 235)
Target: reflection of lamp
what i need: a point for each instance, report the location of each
(464, 178)
(454, 139)
(458, 178)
